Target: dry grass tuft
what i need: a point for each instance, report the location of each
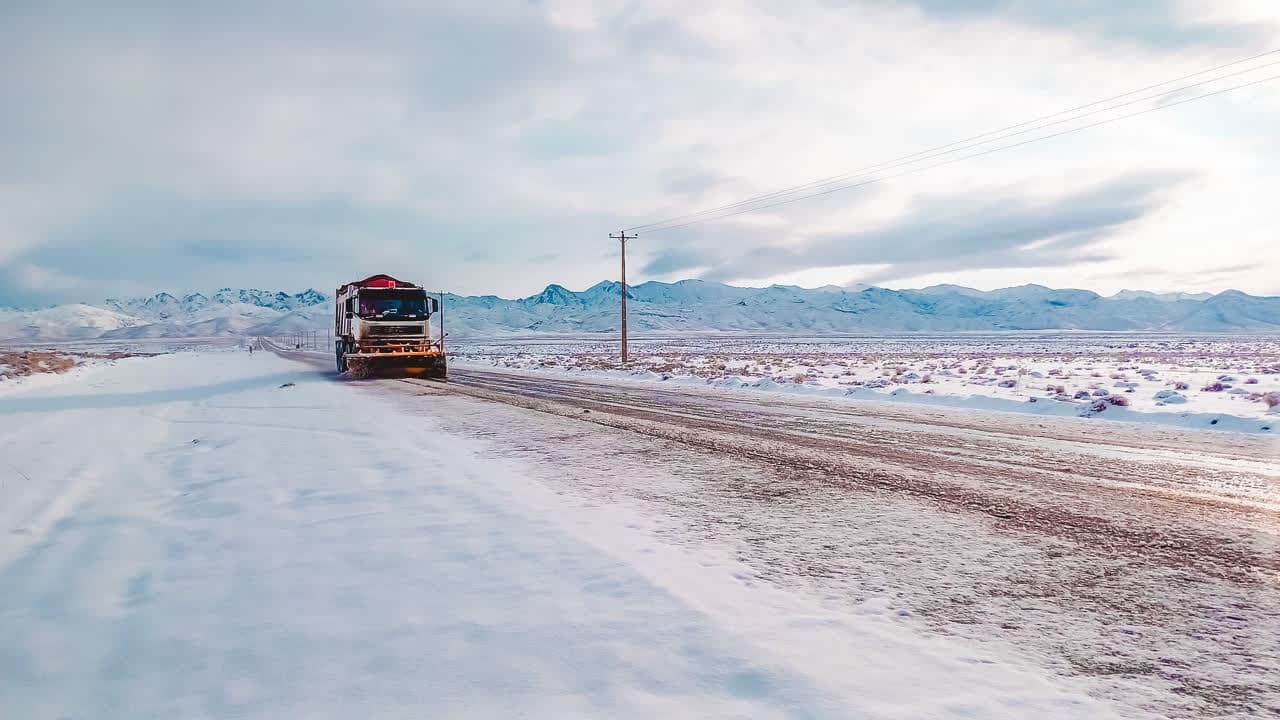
(34, 363)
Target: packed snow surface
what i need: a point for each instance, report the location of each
(219, 535)
(1137, 558)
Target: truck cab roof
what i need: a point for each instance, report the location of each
(378, 282)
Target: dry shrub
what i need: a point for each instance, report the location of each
(116, 355)
(1102, 403)
(1272, 399)
(32, 363)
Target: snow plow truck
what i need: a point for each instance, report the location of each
(382, 327)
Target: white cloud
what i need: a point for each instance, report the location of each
(33, 213)
(413, 135)
(34, 277)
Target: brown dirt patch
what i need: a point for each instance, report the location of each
(18, 364)
(35, 362)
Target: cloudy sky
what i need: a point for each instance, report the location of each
(491, 147)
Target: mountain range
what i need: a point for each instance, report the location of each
(687, 305)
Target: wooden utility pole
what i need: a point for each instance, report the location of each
(622, 238)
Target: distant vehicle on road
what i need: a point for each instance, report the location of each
(382, 326)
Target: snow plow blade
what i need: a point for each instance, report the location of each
(395, 365)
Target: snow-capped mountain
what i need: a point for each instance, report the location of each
(696, 305)
(1168, 297)
(687, 305)
(65, 322)
(164, 306)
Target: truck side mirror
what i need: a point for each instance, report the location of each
(435, 305)
(350, 314)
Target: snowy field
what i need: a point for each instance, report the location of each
(136, 345)
(214, 535)
(22, 368)
(27, 364)
(1221, 383)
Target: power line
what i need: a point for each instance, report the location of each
(964, 145)
(931, 155)
(970, 141)
(1068, 131)
(918, 155)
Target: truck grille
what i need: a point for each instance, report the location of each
(385, 330)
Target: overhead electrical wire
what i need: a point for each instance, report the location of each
(966, 144)
(911, 171)
(918, 156)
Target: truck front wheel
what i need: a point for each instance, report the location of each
(340, 351)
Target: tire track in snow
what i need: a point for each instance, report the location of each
(1120, 506)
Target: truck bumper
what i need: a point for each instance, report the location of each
(431, 363)
(397, 354)
(380, 347)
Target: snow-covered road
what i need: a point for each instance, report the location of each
(1142, 559)
(218, 535)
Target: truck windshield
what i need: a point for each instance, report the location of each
(393, 303)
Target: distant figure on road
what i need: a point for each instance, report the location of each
(250, 348)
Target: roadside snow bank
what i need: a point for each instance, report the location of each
(1118, 407)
